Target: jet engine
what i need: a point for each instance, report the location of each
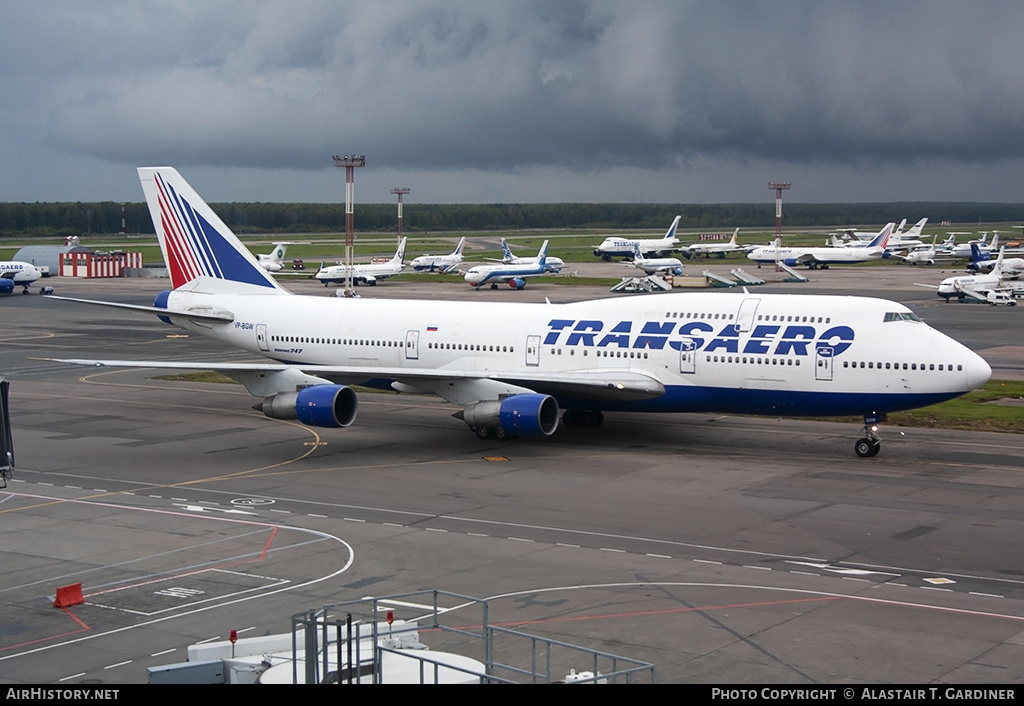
(677, 271)
(6, 285)
(532, 414)
(517, 283)
(331, 406)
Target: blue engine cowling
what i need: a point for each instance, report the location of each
(529, 414)
(6, 285)
(790, 261)
(677, 271)
(517, 283)
(332, 406)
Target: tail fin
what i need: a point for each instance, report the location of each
(915, 232)
(399, 257)
(195, 242)
(542, 256)
(506, 251)
(882, 239)
(735, 235)
(671, 234)
(458, 248)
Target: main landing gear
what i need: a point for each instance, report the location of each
(871, 444)
(582, 418)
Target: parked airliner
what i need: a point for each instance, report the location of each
(511, 366)
(554, 264)
(708, 249)
(822, 257)
(656, 265)
(440, 263)
(624, 247)
(514, 275)
(274, 260)
(367, 273)
(14, 273)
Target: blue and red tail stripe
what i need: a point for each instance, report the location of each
(196, 247)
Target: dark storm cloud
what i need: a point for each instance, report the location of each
(510, 86)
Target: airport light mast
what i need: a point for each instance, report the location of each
(779, 188)
(400, 191)
(350, 162)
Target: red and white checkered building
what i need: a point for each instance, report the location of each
(94, 264)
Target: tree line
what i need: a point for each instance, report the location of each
(58, 219)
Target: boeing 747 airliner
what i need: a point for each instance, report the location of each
(510, 367)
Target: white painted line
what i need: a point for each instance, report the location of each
(434, 529)
(353, 519)
(209, 639)
(73, 676)
(119, 664)
(392, 524)
(477, 534)
(707, 561)
(659, 556)
(165, 652)
(73, 487)
(851, 578)
(804, 573)
(616, 551)
(936, 588)
(759, 568)
(520, 539)
(985, 595)
(322, 517)
(571, 546)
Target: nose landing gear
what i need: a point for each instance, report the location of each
(871, 444)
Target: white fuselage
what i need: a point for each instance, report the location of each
(624, 247)
(759, 354)
(21, 273)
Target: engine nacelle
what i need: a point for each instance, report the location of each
(790, 261)
(6, 285)
(331, 406)
(535, 415)
(517, 283)
(677, 271)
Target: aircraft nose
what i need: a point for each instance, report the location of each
(978, 371)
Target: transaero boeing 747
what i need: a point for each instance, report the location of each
(510, 367)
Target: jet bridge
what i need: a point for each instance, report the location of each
(6, 441)
(794, 276)
(653, 283)
(718, 280)
(745, 277)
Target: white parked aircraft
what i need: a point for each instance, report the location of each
(14, 273)
(925, 255)
(274, 260)
(511, 366)
(654, 265)
(822, 257)
(624, 247)
(972, 287)
(720, 249)
(514, 275)
(554, 264)
(440, 263)
(367, 273)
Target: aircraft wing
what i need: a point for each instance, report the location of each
(593, 384)
(200, 314)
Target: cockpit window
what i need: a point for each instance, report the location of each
(902, 316)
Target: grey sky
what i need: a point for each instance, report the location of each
(516, 100)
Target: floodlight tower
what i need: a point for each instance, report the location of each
(350, 162)
(400, 191)
(779, 188)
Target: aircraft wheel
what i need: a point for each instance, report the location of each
(500, 434)
(494, 286)
(482, 433)
(570, 417)
(866, 448)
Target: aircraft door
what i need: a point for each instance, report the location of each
(533, 350)
(745, 317)
(823, 362)
(412, 345)
(261, 337)
(687, 356)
